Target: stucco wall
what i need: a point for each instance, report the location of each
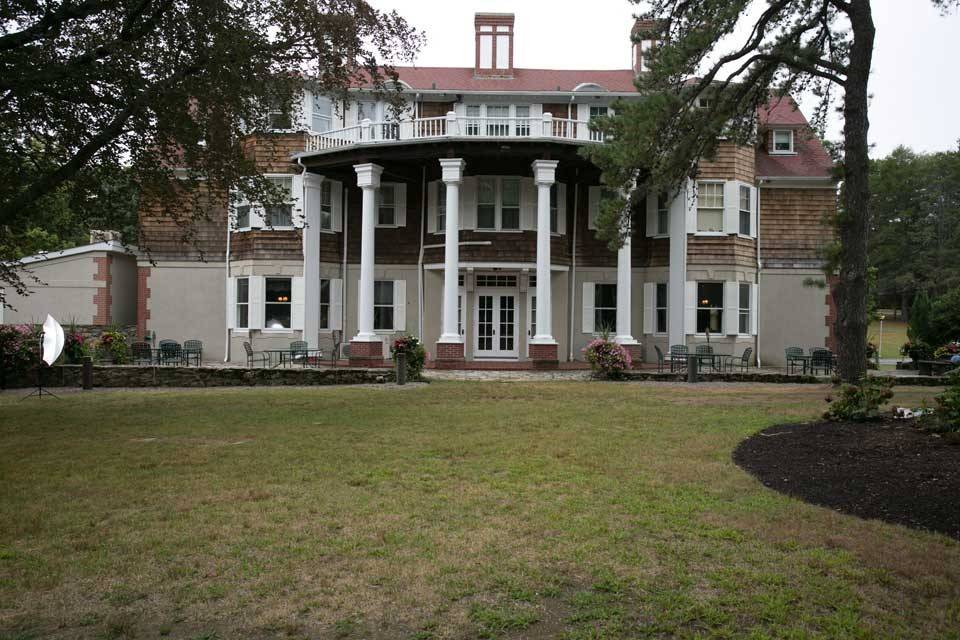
(791, 314)
(188, 300)
(65, 291)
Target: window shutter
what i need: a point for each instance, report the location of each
(255, 307)
(336, 199)
(528, 204)
(587, 319)
(690, 310)
(299, 201)
(690, 204)
(399, 305)
(731, 307)
(336, 304)
(400, 204)
(754, 299)
(468, 202)
(432, 207)
(594, 206)
(651, 214)
(754, 211)
(731, 207)
(561, 208)
(232, 303)
(297, 292)
(649, 306)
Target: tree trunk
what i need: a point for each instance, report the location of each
(851, 290)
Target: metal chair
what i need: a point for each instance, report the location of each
(821, 359)
(794, 356)
(743, 361)
(678, 357)
(192, 350)
(255, 356)
(298, 351)
(706, 350)
(142, 353)
(171, 352)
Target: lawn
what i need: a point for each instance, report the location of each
(894, 335)
(450, 510)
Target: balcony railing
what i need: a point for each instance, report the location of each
(454, 126)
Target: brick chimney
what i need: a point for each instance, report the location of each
(494, 34)
(643, 43)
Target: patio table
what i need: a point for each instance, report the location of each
(284, 355)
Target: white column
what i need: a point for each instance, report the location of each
(452, 173)
(681, 208)
(368, 179)
(624, 335)
(544, 174)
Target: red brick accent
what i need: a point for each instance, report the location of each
(102, 298)
(544, 356)
(831, 317)
(450, 351)
(143, 295)
(636, 354)
(362, 352)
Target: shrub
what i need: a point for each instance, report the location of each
(608, 358)
(74, 347)
(19, 351)
(947, 351)
(860, 402)
(416, 354)
(114, 344)
(945, 317)
(917, 350)
(947, 415)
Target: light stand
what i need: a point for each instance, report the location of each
(40, 391)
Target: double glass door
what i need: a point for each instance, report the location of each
(496, 323)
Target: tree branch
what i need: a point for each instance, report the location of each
(66, 12)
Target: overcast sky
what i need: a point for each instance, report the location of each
(914, 84)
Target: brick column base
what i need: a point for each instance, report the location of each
(636, 354)
(544, 356)
(365, 353)
(449, 355)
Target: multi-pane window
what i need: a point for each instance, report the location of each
(489, 280)
(554, 211)
(441, 207)
(366, 111)
(510, 203)
(498, 127)
(326, 205)
(744, 324)
(661, 308)
(663, 214)
(709, 307)
(605, 307)
(744, 210)
(710, 206)
(596, 112)
(387, 211)
(783, 141)
(278, 297)
(486, 203)
(281, 215)
(383, 305)
(523, 120)
(278, 118)
(324, 304)
(243, 303)
(473, 119)
(321, 117)
(498, 204)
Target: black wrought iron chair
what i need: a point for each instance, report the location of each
(705, 355)
(742, 361)
(192, 350)
(142, 353)
(299, 349)
(255, 356)
(678, 357)
(794, 357)
(821, 360)
(171, 352)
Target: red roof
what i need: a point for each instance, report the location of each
(781, 112)
(811, 159)
(453, 79)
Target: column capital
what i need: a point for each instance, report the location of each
(452, 170)
(544, 172)
(368, 174)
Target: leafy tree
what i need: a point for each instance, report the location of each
(133, 88)
(919, 328)
(820, 46)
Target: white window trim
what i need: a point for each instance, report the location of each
(597, 331)
(393, 186)
(498, 204)
(753, 213)
(773, 143)
(748, 309)
(263, 323)
(258, 212)
(511, 114)
(311, 96)
(697, 308)
(237, 303)
(696, 211)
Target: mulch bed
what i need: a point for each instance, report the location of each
(890, 470)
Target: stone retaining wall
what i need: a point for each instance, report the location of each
(107, 376)
(777, 378)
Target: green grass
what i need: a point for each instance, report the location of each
(453, 510)
(894, 335)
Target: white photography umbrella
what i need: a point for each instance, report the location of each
(52, 340)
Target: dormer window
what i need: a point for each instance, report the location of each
(494, 34)
(782, 141)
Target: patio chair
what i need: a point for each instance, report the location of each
(171, 352)
(742, 361)
(255, 356)
(142, 353)
(821, 359)
(794, 357)
(298, 351)
(192, 350)
(678, 357)
(706, 350)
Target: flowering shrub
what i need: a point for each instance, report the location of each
(114, 344)
(917, 350)
(860, 402)
(74, 346)
(947, 351)
(416, 354)
(19, 351)
(607, 357)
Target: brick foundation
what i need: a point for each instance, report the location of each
(103, 298)
(364, 352)
(544, 356)
(449, 355)
(143, 295)
(636, 354)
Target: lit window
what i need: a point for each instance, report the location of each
(744, 308)
(663, 215)
(243, 303)
(710, 206)
(383, 305)
(745, 210)
(605, 307)
(783, 141)
(661, 308)
(709, 307)
(278, 297)
(386, 212)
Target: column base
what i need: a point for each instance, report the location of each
(449, 355)
(364, 352)
(544, 356)
(636, 353)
